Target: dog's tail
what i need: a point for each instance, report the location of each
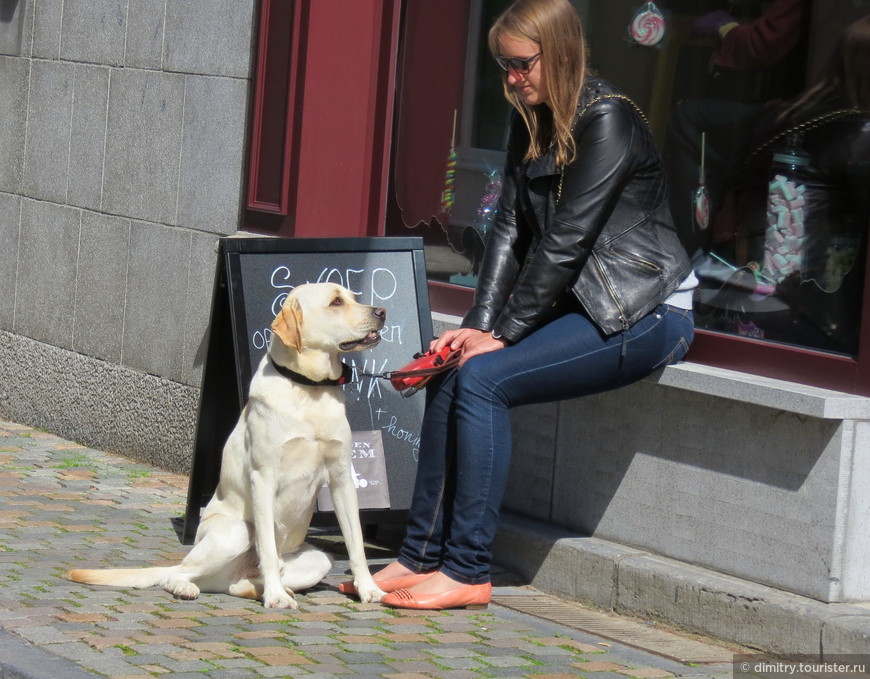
(122, 577)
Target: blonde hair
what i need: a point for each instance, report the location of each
(555, 26)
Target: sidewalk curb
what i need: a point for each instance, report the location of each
(633, 582)
(22, 660)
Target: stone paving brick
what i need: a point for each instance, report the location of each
(420, 665)
(259, 634)
(283, 672)
(357, 638)
(645, 673)
(569, 643)
(458, 674)
(452, 651)
(549, 651)
(508, 643)
(236, 663)
(507, 661)
(175, 624)
(393, 638)
(231, 673)
(162, 639)
(453, 638)
(598, 666)
(371, 649)
(461, 663)
(185, 664)
(227, 612)
(44, 635)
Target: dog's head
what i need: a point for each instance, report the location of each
(327, 317)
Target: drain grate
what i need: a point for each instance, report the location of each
(627, 632)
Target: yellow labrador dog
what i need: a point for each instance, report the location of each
(292, 436)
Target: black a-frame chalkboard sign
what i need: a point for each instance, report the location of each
(253, 277)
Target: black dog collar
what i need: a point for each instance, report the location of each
(346, 373)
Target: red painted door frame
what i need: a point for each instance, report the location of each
(321, 117)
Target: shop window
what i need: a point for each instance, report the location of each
(776, 218)
(770, 189)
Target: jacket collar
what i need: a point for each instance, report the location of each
(546, 163)
(542, 166)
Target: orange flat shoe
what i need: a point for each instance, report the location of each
(388, 585)
(468, 596)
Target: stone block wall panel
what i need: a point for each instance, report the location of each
(530, 484)
(855, 485)
(145, 22)
(13, 112)
(46, 272)
(154, 315)
(142, 145)
(100, 299)
(87, 141)
(94, 31)
(46, 157)
(208, 36)
(47, 22)
(210, 185)
(10, 222)
(198, 303)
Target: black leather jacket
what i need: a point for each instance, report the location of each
(609, 240)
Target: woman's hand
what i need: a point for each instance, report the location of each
(472, 342)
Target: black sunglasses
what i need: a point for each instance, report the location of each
(517, 63)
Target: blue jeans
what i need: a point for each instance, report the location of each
(466, 434)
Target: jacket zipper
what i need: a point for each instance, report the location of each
(624, 348)
(622, 319)
(637, 260)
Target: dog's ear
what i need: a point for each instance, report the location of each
(287, 325)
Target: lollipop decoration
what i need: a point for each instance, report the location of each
(700, 199)
(648, 26)
(448, 194)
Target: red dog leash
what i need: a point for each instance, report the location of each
(418, 372)
(412, 377)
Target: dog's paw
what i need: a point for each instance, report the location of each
(370, 595)
(280, 599)
(181, 589)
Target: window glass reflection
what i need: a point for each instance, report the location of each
(779, 241)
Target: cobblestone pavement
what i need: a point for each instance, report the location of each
(63, 505)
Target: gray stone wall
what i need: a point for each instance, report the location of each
(122, 144)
